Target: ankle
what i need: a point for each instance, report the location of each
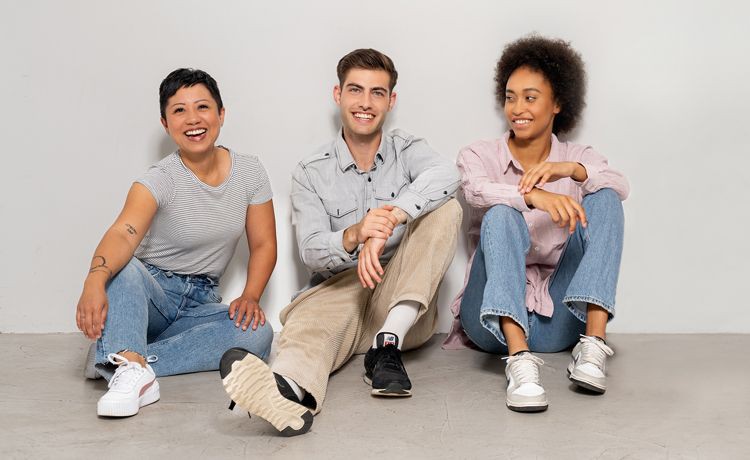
(133, 357)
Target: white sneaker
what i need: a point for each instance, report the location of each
(525, 392)
(132, 387)
(587, 369)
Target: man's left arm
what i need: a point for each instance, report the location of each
(434, 180)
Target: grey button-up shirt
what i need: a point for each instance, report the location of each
(329, 194)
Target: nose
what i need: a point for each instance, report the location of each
(517, 107)
(365, 101)
(192, 116)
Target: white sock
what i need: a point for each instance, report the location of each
(399, 320)
(297, 389)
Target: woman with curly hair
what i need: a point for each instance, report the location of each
(547, 224)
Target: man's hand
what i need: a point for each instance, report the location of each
(368, 266)
(244, 310)
(564, 210)
(549, 171)
(377, 223)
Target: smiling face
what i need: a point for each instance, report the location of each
(364, 100)
(193, 119)
(530, 105)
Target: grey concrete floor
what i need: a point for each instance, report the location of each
(671, 397)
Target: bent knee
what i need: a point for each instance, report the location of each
(502, 217)
(605, 195)
(257, 341)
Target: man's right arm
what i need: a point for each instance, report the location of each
(320, 247)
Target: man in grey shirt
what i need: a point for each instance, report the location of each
(377, 224)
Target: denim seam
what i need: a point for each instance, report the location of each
(568, 301)
(497, 312)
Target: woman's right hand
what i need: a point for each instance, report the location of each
(564, 210)
(91, 312)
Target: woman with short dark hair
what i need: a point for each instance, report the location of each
(151, 296)
(547, 223)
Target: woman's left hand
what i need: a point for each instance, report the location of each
(548, 171)
(245, 310)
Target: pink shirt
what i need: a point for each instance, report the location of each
(490, 176)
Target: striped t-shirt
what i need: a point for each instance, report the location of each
(196, 227)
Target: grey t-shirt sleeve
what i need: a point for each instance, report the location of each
(259, 190)
(159, 183)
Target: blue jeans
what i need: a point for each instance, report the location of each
(176, 318)
(587, 272)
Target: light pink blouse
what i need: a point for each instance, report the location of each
(490, 176)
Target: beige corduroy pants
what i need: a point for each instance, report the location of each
(329, 323)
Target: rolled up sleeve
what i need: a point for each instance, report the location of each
(600, 175)
(434, 179)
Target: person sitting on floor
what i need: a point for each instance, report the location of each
(377, 225)
(547, 223)
(151, 296)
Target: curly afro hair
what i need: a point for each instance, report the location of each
(560, 64)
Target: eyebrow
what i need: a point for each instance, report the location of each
(525, 89)
(374, 88)
(194, 102)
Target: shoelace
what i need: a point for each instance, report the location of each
(389, 358)
(524, 367)
(594, 351)
(126, 374)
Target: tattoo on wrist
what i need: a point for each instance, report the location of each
(101, 267)
(131, 229)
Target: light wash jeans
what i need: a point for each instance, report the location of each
(586, 273)
(176, 318)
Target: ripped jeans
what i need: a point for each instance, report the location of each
(176, 319)
(587, 272)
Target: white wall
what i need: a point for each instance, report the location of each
(667, 103)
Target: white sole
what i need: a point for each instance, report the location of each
(128, 408)
(252, 385)
(585, 381)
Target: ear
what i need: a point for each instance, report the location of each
(221, 116)
(164, 123)
(392, 100)
(337, 94)
(557, 108)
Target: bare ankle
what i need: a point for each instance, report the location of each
(133, 357)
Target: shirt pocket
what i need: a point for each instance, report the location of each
(388, 191)
(341, 213)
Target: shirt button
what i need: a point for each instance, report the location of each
(368, 209)
(393, 194)
(418, 207)
(369, 179)
(536, 248)
(445, 192)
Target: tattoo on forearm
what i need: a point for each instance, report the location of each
(101, 267)
(131, 229)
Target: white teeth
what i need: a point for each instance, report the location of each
(521, 122)
(195, 132)
(365, 116)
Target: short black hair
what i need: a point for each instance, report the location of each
(182, 78)
(560, 64)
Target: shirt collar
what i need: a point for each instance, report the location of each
(507, 159)
(344, 155)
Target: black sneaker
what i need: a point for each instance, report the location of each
(384, 369)
(254, 387)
